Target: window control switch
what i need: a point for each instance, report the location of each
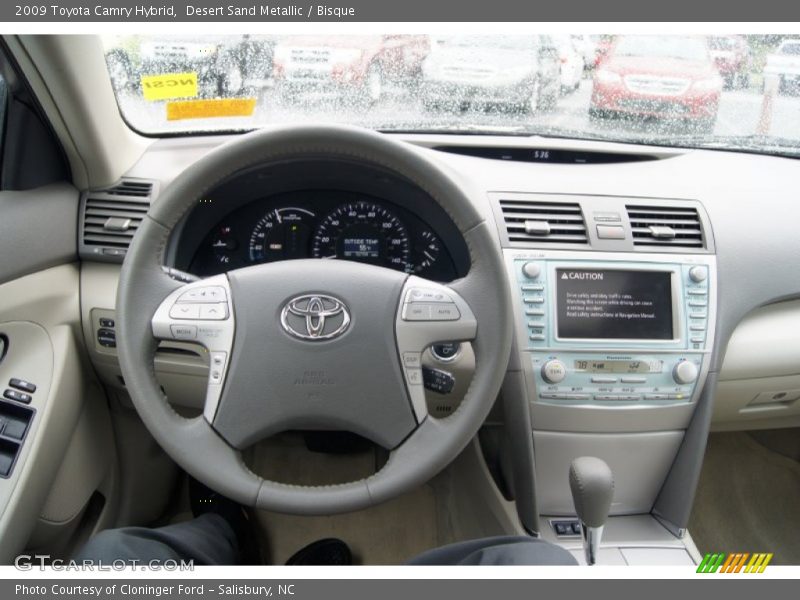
(22, 385)
(17, 396)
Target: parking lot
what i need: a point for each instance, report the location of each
(739, 115)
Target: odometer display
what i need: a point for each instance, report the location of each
(364, 232)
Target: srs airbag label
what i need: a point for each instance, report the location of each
(613, 304)
(169, 86)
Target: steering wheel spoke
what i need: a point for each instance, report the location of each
(201, 312)
(428, 313)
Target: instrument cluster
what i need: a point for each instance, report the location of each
(325, 225)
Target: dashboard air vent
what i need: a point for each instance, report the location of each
(666, 226)
(530, 222)
(112, 216)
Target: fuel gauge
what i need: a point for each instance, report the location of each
(224, 245)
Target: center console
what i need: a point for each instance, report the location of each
(614, 310)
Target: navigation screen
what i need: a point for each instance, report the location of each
(611, 304)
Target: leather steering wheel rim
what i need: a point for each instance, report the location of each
(194, 443)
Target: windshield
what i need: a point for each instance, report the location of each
(651, 89)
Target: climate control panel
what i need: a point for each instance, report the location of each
(580, 377)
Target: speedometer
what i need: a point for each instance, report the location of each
(364, 232)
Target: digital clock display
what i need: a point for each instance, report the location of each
(619, 366)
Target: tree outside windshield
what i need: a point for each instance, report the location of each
(728, 91)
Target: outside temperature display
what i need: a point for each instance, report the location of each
(619, 366)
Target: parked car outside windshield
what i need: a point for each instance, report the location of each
(737, 92)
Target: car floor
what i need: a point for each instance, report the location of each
(460, 503)
(748, 498)
(390, 533)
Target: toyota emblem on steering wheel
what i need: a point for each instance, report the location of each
(315, 317)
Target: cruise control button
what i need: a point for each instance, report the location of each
(438, 381)
(214, 312)
(206, 294)
(183, 332)
(185, 311)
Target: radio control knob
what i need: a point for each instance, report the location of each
(698, 274)
(531, 270)
(685, 372)
(554, 371)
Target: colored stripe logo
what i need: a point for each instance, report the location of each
(736, 562)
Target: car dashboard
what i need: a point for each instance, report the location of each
(650, 240)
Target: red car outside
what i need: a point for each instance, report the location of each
(335, 63)
(658, 76)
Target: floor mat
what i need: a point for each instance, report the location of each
(387, 534)
(748, 500)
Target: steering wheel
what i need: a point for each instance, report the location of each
(313, 344)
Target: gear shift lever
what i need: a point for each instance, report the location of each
(592, 485)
